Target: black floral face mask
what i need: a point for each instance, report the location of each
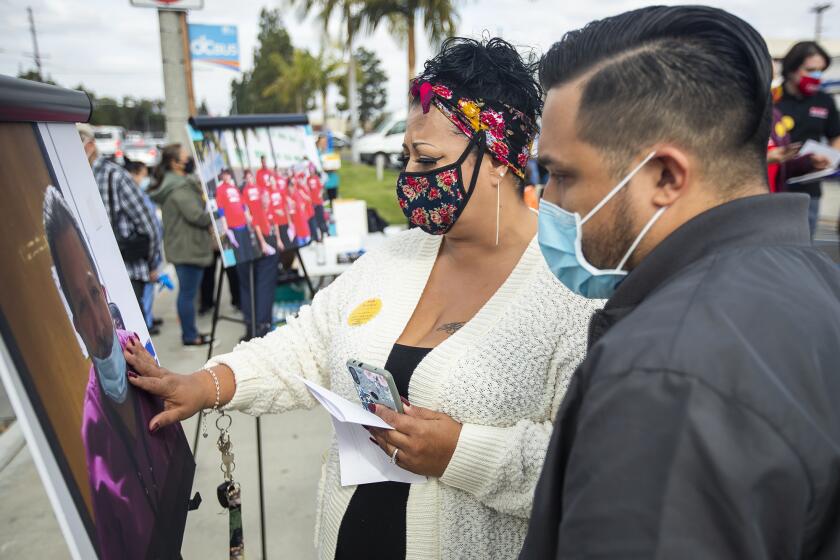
(433, 200)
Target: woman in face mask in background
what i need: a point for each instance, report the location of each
(186, 231)
(462, 310)
(807, 112)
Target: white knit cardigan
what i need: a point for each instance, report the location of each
(503, 376)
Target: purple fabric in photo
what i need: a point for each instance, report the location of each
(136, 478)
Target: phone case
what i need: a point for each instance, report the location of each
(374, 385)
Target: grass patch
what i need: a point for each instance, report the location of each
(357, 180)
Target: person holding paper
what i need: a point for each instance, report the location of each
(783, 158)
(807, 112)
(480, 338)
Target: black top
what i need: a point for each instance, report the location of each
(373, 526)
(704, 421)
(814, 118)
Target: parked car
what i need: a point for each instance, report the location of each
(132, 136)
(142, 151)
(385, 143)
(339, 140)
(109, 140)
(156, 139)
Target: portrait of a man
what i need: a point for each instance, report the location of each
(139, 481)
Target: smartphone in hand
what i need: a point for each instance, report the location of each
(374, 385)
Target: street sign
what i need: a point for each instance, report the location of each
(216, 44)
(182, 5)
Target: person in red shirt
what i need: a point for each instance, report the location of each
(316, 193)
(283, 177)
(233, 218)
(261, 274)
(265, 176)
(299, 213)
(278, 211)
(256, 200)
(303, 189)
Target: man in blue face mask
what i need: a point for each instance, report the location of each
(702, 423)
(140, 174)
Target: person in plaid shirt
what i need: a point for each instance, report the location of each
(133, 215)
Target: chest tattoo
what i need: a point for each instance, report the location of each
(450, 328)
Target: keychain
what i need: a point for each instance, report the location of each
(228, 491)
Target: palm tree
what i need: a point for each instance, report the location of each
(329, 72)
(348, 10)
(439, 18)
(296, 81)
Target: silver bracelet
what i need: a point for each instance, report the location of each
(216, 404)
(218, 388)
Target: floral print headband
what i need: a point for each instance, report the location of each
(509, 132)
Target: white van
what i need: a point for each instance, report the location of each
(385, 142)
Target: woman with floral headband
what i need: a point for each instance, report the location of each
(462, 310)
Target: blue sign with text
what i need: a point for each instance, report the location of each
(216, 44)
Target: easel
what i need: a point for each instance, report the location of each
(216, 318)
(236, 124)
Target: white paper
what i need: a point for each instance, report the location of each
(361, 462)
(817, 148)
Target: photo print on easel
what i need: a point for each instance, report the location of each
(66, 309)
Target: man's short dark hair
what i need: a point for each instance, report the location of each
(134, 166)
(797, 54)
(692, 75)
(57, 220)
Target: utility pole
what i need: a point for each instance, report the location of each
(36, 52)
(188, 72)
(177, 74)
(818, 9)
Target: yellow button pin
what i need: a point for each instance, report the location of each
(788, 121)
(365, 312)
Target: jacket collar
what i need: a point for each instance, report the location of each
(778, 219)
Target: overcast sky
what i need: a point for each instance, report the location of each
(113, 48)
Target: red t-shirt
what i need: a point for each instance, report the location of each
(255, 199)
(299, 216)
(282, 182)
(305, 198)
(277, 208)
(316, 190)
(264, 177)
(230, 203)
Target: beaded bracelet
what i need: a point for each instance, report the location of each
(216, 404)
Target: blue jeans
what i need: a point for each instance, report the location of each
(189, 281)
(148, 301)
(814, 214)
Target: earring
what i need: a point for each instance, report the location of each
(498, 206)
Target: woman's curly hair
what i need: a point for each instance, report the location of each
(487, 69)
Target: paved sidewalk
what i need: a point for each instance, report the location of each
(293, 445)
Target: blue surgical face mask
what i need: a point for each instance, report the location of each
(560, 238)
(144, 183)
(111, 372)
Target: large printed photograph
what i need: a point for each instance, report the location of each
(66, 311)
(265, 187)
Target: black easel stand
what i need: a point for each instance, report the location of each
(216, 318)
